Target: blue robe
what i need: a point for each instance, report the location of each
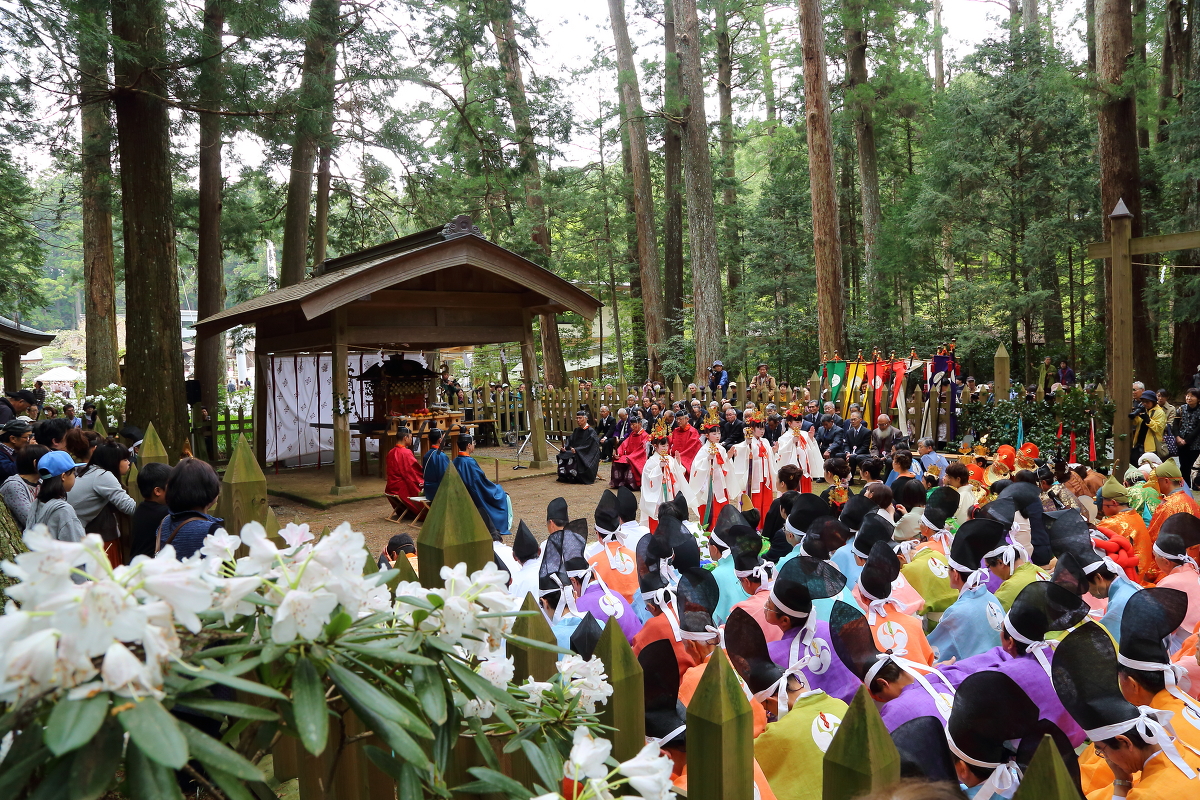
(490, 498)
(436, 464)
(843, 559)
(562, 632)
(1119, 593)
(970, 626)
(823, 607)
(731, 588)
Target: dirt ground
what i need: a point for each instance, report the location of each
(530, 496)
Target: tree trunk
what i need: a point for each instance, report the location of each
(1029, 15)
(153, 346)
(316, 98)
(768, 71)
(939, 69)
(1119, 170)
(1186, 336)
(709, 322)
(210, 267)
(637, 315)
(859, 96)
(99, 269)
(733, 267)
(324, 181)
(827, 245)
(643, 193)
(1139, 49)
(673, 179)
(1089, 12)
(1172, 64)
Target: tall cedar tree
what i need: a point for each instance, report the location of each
(859, 96)
(210, 262)
(707, 303)
(316, 96)
(633, 121)
(153, 344)
(827, 243)
(504, 30)
(96, 197)
(672, 178)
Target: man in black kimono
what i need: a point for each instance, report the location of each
(580, 457)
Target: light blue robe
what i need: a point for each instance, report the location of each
(843, 559)
(824, 606)
(1119, 593)
(969, 626)
(563, 630)
(732, 592)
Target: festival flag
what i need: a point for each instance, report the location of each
(1020, 431)
(878, 380)
(853, 383)
(1071, 456)
(1092, 440)
(870, 375)
(837, 376)
(898, 371)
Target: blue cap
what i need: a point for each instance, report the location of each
(56, 462)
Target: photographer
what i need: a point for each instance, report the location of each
(1149, 422)
(718, 380)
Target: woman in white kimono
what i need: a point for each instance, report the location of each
(755, 466)
(662, 477)
(711, 479)
(799, 448)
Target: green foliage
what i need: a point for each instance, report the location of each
(1075, 409)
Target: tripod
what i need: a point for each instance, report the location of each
(521, 449)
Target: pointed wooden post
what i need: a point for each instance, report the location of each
(1046, 777)
(814, 387)
(532, 661)
(862, 757)
(676, 389)
(453, 532)
(1002, 368)
(152, 448)
(243, 490)
(131, 486)
(1120, 357)
(99, 427)
(625, 710)
(720, 736)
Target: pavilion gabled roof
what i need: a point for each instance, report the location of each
(457, 248)
(20, 337)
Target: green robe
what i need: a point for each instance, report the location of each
(790, 752)
(929, 574)
(1023, 576)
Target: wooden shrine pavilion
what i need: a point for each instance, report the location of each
(442, 287)
(15, 341)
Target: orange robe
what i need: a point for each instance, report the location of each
(756, 607)
(691, 679)
(659, 627)
(898, 632)
(1097, 777)
(1129, 524)
(1174, 503)
(616, 565)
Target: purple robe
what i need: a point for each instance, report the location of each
(993, 580)
(1030, 676)
(957, 672)
(826, 672)
(626, 618)
(914, 702)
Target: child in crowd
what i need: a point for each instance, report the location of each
(152, 484)
(192, 488)
(20, 491)
(56, 470)
(399, 545)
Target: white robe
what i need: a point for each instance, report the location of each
(660, 471)
(711, 461)
(800, 451)
(750, 474)
(526, 579)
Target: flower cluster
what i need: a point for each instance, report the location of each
(472, 612)
(587, 774)
(111, 398)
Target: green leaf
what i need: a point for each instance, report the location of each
(156, 733)
(233, 667)
(428, 683)
(392, 734)
(207, 677)
(94, 767)
(392, 654)
(54, 784)
(408, 782)
(476, 685)
(338, 625)
(212, 753)
(228, 708)
(231, 649)
(535, 644)
(309, 707)
(73, 723)
(382, 703)
(548, 770)
(148, 780)
(496, 781)
(233, 788)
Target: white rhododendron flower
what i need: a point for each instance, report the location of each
(588, 755)
(585, 679)
(303, 614)
(536, 690)
(296, 535)
(124, 674)
(497, 671)
(649, 773)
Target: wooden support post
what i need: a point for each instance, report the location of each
(152, 448)
(453, 532)
(12, 370)
(1046, 778)
(720, 736)
(1002, 367)
(814, 388)
(243, 496)
(262, 368)
(533, 403)
(100, 428)
(531, 661)
(1120, 360)
(341, 421)
(625, 710)
(131, 487)
(285, 759)
(862, 758)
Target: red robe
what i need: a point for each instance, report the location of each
(684, 444)
(659, 627)
(404, 479)
(632, 452)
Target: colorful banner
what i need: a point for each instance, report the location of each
(836, 375)
(898, 372)
(853, 382)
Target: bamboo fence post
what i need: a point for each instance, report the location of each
(1001, 367)
(814, 387)
(152, 448)
(677, 388)
(862, 758)
(625, 710)
(720, 735)
(453, 532)
(1046, 778)
(532, 661)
